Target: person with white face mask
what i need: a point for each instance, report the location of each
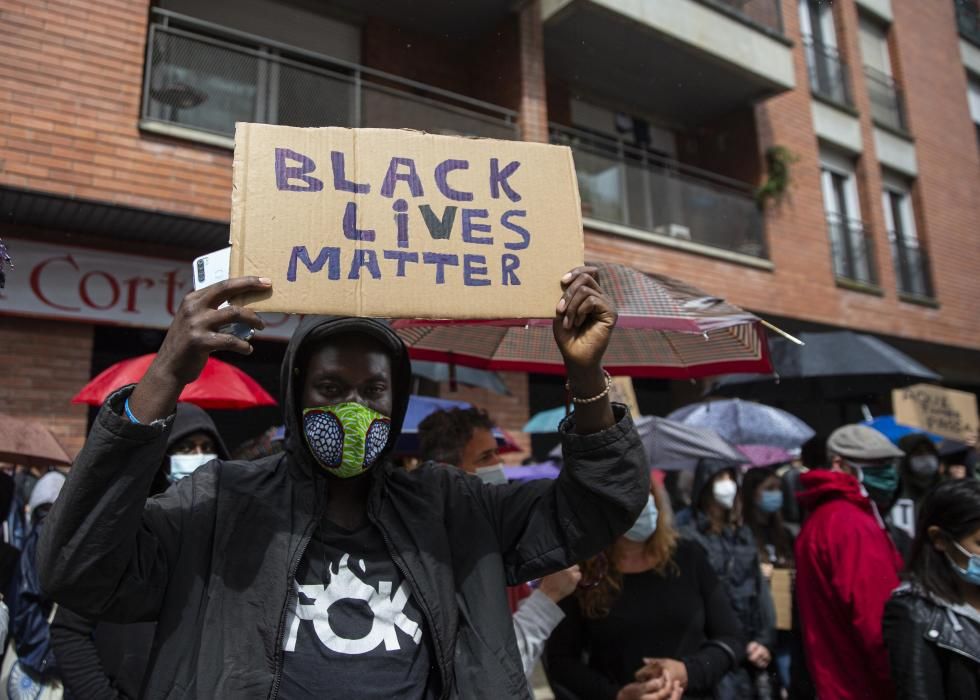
(101, 660)
(717, 526)
(920, 471)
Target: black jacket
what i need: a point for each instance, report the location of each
(933, 645)
(734, 557)
(106, 661)
(212, 558)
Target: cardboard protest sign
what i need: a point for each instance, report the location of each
(946, 412)
(782, 597)
(622, 391)
(394, 223)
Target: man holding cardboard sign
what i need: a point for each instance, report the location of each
(326, 571)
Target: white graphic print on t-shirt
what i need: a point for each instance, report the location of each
(346, 588)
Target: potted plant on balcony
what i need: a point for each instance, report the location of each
(778, 162)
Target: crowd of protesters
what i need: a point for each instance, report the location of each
(160, 567)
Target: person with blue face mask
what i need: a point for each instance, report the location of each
(650, 621)
(762, 511)
(932, 621)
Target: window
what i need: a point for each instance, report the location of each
(911, 263)
(849, 241)
(887, 106)
(828, 73)
(973, 98)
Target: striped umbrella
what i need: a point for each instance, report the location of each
(667, 329)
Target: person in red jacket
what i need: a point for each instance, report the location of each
(847, 567)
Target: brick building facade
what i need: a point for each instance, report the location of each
(115, 121)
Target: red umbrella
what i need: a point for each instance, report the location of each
(506, 444)
(667, 329)
(220, 385)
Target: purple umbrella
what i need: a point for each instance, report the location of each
(746, 423)
(765, 455)
(530, 472)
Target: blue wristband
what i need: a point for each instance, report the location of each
(129, 413)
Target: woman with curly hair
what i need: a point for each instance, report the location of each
(650, 620)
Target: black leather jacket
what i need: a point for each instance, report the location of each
(934, 646)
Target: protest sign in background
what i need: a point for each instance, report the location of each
(393, 223)
(946, 412)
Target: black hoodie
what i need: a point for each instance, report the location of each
(212, 559)
(107, 661)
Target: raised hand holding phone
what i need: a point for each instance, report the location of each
(195, 333)
(213, 268)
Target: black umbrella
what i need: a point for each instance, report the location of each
(838, 365)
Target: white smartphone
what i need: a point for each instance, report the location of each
(213, 268)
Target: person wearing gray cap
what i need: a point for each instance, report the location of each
(847, 567)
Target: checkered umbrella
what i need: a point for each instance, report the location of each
(667, 329)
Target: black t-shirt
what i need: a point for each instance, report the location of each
(354, 630)
(672, 616)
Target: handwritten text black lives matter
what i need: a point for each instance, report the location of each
(404, 256)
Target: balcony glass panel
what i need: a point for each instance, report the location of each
(634, 187)
(205, 78)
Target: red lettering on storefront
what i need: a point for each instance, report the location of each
(87, 299)
(36, 282)
(132, 290)
(173, 286)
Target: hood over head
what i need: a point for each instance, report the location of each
(705, 472)
(822, 485)
(909, 444)
(314, 331)
(192, 419)
(46, 490)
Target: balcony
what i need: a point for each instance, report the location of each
(853, 251)
(685, 61)
(633, 187)
(968, 20)
(887, 103)
(911, 267)
(828, 73)
(201, 78)
(767, 14)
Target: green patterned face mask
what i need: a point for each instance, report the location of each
(347, 438)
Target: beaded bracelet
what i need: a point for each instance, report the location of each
(597, 397)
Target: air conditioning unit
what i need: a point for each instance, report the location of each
(674, 231)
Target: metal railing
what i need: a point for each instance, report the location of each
(852, 250)
(623, 184)
(205, 77)
(828, 72)
(911, 267)
(765, 13)
(887, 102)
(968, 20)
